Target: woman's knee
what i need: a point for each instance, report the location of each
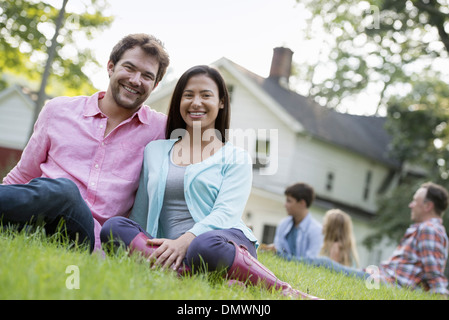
(211, 251)
(110, 227)
(120, 230)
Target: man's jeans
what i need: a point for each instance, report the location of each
(329, 264)
(46, 202)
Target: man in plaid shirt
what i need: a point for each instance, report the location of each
(420, 258)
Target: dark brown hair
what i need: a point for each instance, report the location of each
(175, 120)
(150, 44)
(301, 191)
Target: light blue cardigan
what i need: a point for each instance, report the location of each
(216, 189)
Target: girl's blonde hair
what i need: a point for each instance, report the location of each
(337, 228)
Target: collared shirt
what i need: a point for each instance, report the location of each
(309, 237)
(420, 258)
(69, 142)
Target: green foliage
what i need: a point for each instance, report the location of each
(36, 267)
(26, 30)
(372, 46)
(393, 215)
(417, 122)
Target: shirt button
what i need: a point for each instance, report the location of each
(97, 166)
(92, 183)
(101, 126)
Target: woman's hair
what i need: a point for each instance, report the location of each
(148, 43)
(175, 120)
(337, 228)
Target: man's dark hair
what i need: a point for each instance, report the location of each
(301, 191)
(148, 43)
(438, 195)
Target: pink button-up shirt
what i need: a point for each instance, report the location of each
(69, 142)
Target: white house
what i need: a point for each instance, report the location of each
(16, 114)
(293, 139)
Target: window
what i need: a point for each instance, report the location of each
(329, 181)
(268, 233)
(367, 187)
(262, 153)
(230, 88)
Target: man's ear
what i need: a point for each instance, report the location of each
(430, 206)
(110, 67)
(303, 202)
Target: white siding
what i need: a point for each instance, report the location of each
(315, 159)
(250, 120)
(15, 120)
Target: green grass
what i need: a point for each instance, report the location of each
(33, 266)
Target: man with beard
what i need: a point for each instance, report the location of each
(82, 164)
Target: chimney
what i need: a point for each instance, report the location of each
(281, 65)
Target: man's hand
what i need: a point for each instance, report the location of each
(267, 247)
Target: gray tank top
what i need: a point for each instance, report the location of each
(175, 218)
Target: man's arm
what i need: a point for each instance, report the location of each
(34, 154)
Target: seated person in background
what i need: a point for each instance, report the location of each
(420, 258)
(299, 234)
(339, 242)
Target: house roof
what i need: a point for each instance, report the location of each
(25, 93)
(365, 135)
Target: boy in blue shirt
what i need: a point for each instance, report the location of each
(299, 234)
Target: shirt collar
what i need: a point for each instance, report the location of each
(302, 225)
(91, 109)
(431, 221)
(305, 222)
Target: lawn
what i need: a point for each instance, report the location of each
(36, 267)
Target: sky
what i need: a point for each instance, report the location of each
(203, 31)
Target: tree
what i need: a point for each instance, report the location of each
(418, 123)
(51, 54)
(27, 28)
(373, 46)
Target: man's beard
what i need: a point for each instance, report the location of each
(125, 103)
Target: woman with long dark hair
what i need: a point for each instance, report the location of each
(193, 189)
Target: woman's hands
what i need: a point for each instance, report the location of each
(170, 252)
